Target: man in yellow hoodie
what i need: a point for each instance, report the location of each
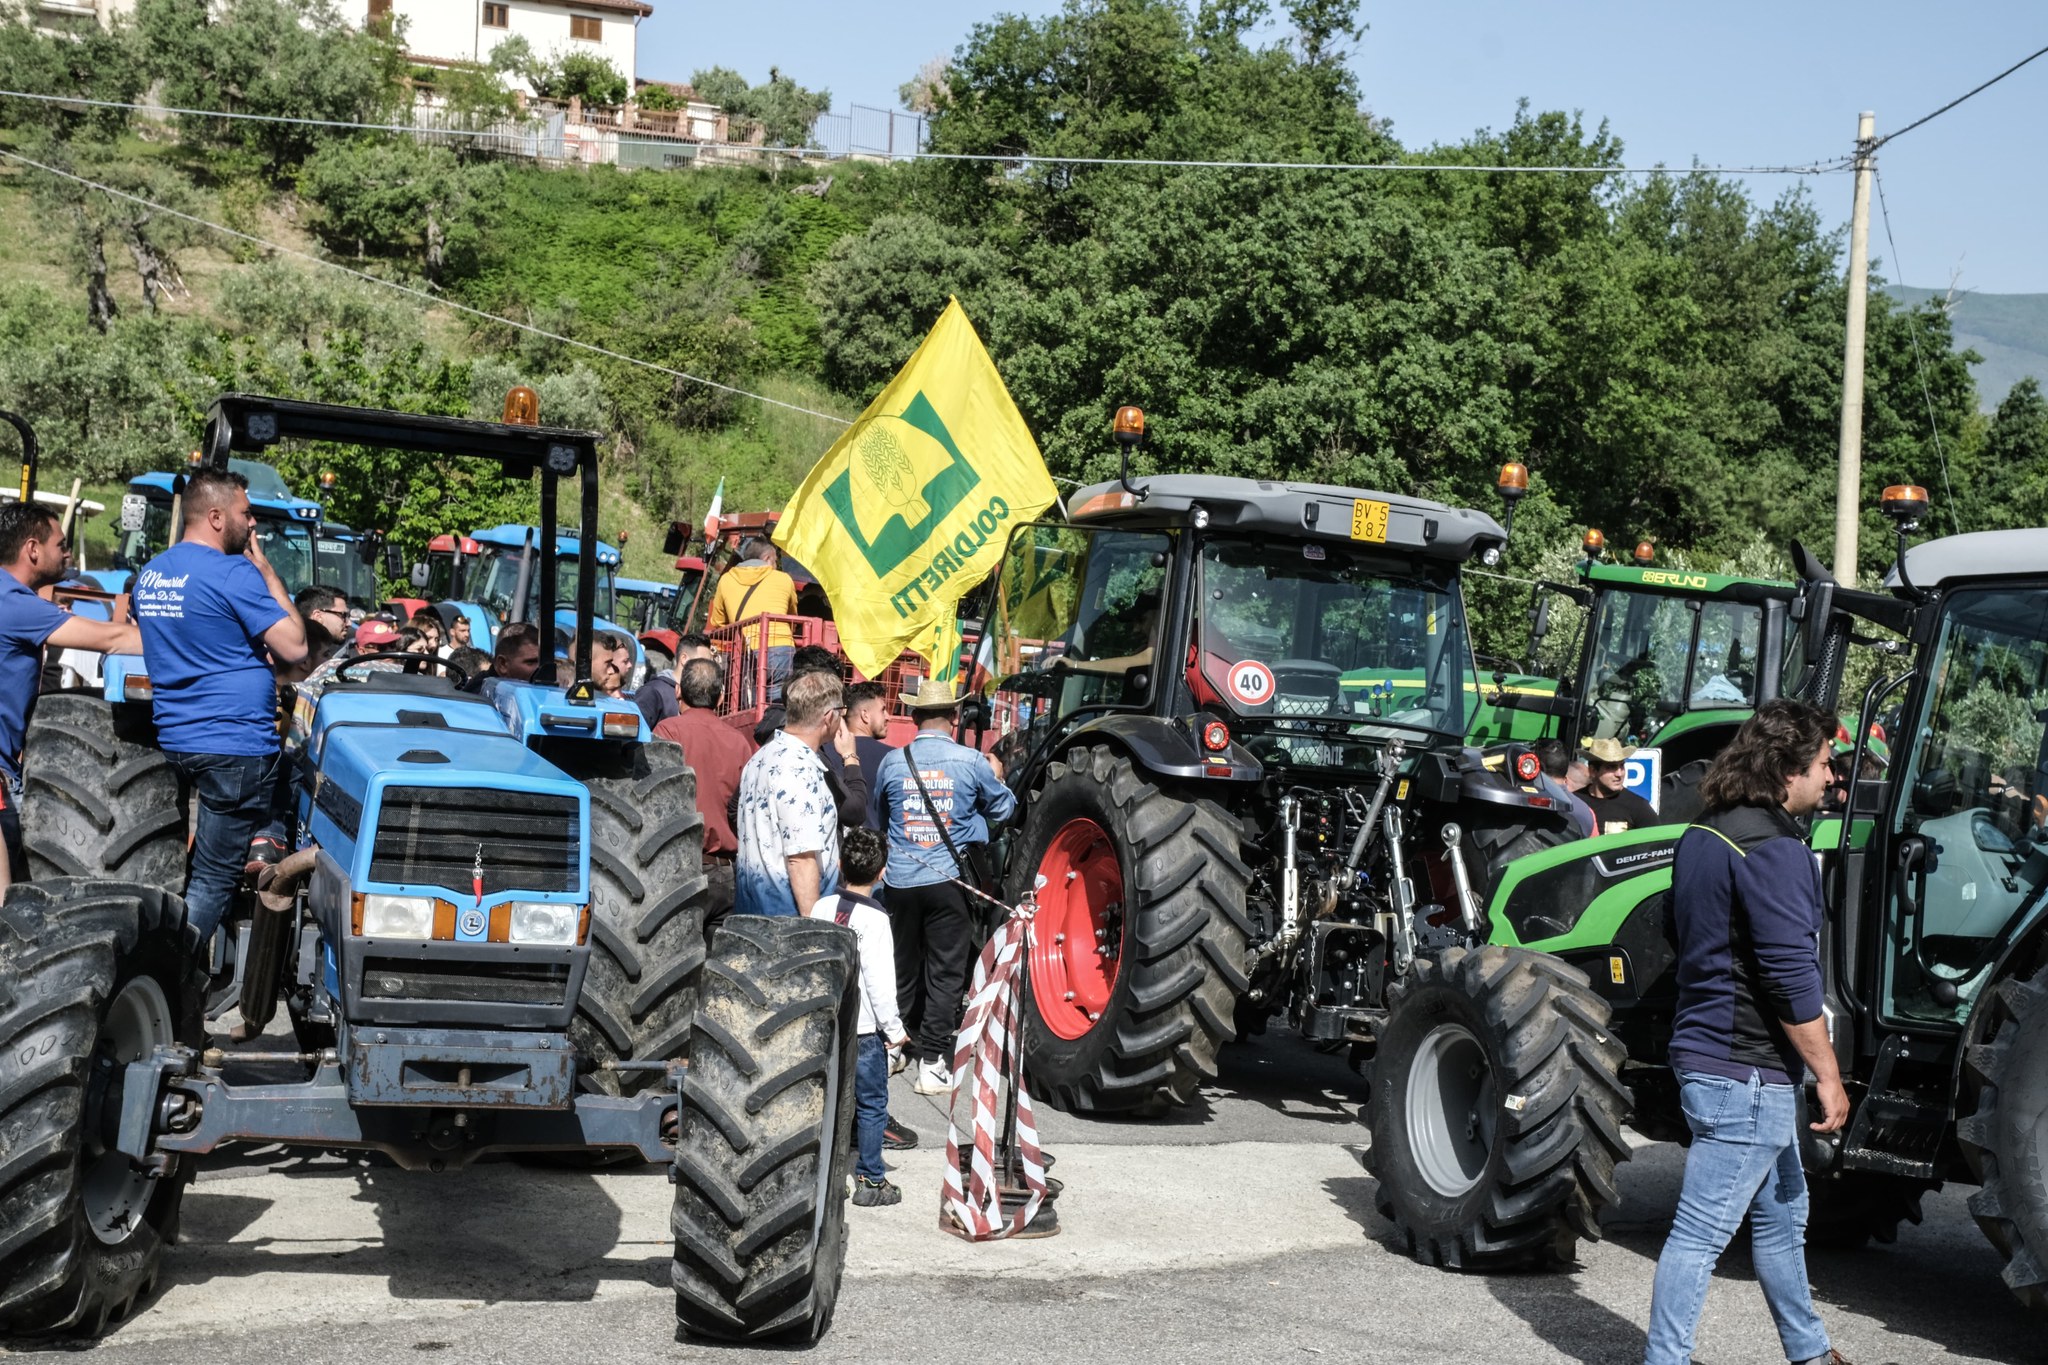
(755, 587)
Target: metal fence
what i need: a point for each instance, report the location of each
(559, 135)
(864, 130)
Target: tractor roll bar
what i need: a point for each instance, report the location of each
(252, 423)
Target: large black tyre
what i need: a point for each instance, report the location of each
(1496, 1110)
(93, 975)
(762, 1149)
(98, 803)
(1156, 878)
(2004, 1139)
(1855, 1208)
(647, 891)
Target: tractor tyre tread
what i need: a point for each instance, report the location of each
(1557, 1067)
(66, 947)
(2005, 1079)
(1187, 935)
(763, 1155)
(96, 804)
(647, 894)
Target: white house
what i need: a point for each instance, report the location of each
(442, 31)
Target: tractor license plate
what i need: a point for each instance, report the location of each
(1369, 520)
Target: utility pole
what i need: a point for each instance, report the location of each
(1849, 476)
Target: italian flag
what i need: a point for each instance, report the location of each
(711, 517)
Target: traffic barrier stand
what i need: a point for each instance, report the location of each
(1006, 1193)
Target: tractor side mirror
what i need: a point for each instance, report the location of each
(1539, 619)
(674, 540)
(134, 512)
(419, 575)
(1934, 794)
(394, 565)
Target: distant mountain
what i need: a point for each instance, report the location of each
(2009, 330)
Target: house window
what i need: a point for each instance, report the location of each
(497, 16)
(589, 30)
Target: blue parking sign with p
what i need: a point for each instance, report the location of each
(1643, 774)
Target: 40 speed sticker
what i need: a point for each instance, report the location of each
(1251, 683)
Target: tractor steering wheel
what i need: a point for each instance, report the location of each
(456, 672)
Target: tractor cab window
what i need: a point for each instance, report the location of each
(1656, 658)
(1295, 633)
(136, 548)
(340, 564)
(1976, 796)
(1077, 622)
(288, 545)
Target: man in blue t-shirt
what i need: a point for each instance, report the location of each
(34, 554)
(214, 617)
(945, 803)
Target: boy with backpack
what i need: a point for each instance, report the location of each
(884, 1046)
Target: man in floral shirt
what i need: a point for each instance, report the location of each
(787, 822)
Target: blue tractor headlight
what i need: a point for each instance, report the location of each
(387, 916)
(545, 922)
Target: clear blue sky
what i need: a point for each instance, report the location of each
(1734, 83)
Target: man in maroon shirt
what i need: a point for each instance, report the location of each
(718, 752)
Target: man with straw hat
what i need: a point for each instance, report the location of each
(1615, 807)
(936, 798)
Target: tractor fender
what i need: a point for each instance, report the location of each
(1160, 747)
(2030, 945)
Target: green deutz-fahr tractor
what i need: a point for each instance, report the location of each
(1935, 956)
(488, 938)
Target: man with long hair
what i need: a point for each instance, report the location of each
(1746, 903)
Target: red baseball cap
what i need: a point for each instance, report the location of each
(373, 635)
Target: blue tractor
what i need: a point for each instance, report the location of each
(489, 938)
(494, 576)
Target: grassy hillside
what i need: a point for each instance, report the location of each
(701, 271)
(2009, 330)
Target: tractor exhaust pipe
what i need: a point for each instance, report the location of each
(277, 897)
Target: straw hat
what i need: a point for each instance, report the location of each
(932, 695)
(1608, 750)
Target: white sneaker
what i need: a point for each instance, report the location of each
(933, 1078)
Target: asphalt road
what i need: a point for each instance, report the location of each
(1244, 1230)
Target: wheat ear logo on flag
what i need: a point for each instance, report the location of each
(911, 507)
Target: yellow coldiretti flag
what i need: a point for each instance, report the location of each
(912, 506)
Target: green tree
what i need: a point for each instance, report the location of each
(403, 198)
(2014, 474)
(784, 109)
(881, 291)
(292, 58)
(101, 64)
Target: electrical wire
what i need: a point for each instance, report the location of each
(1830, 166)
(1919, 360)
(423, 294)
(1876, 143)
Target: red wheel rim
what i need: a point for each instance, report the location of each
(1077, 939)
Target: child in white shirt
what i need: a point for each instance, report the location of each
(883, 1043)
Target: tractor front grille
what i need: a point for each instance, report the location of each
(439, 836)
(455, 979)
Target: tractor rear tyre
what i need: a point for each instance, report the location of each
(98, 803)
(1855, 1208)
(647, 891)
(1496, 1110)
(762, 1148)
(2005, 1138)
(1138, 952)
(93, 975)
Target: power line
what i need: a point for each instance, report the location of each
(1826, 167)
(418, 293)
(1928, 118)
(1919, 360)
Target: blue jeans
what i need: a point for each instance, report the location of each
(1744, 1159)
(235, 792)
(871, 1104)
